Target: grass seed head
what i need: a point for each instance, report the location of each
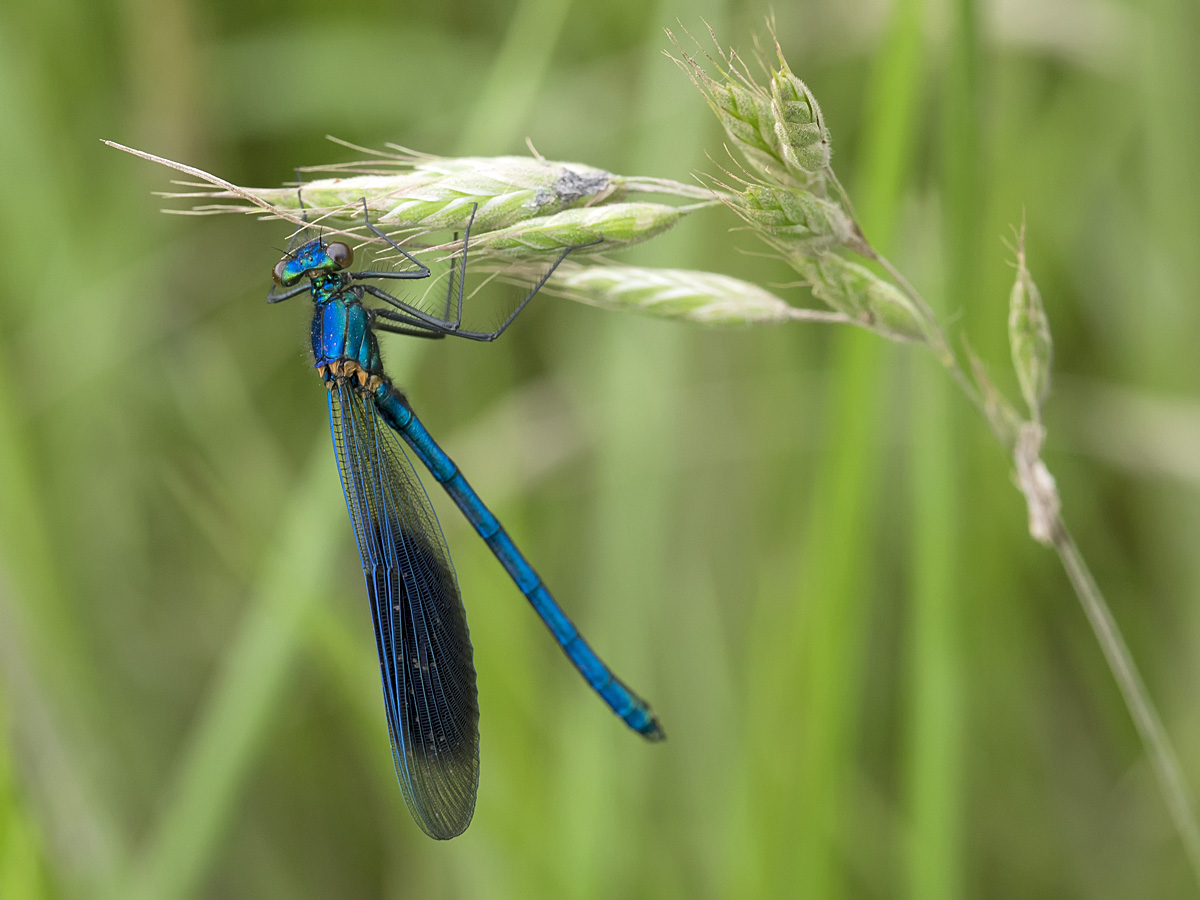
(743, 108)
(1029, 335)
(702, 297)
(745, 115)
(859, 293)
(439, 194)
(606, 227)
(797, 219)
(800, 134)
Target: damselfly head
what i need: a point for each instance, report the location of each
(313, 258)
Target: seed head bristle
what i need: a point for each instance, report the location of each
(742, 107)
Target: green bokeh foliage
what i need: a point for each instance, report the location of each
(796, 541)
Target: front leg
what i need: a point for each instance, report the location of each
(444, 322)
(422, 271)
(394, 323)
(273, 297)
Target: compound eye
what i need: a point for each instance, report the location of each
(277, 273)
(341, 254)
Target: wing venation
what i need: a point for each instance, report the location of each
(421, 633)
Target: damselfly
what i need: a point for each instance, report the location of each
(425, 656)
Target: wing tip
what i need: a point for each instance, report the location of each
(444, 832)
(443, 817)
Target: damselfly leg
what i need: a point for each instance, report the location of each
(409, 316)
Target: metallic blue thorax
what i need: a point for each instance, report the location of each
(341, 329)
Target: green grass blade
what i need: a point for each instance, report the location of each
(636, 374)
(835, 582)
(836, 571)
(22, 863)
(250, 686)
(934, 670)
(507, 98)
(891, 119)
(56, 685)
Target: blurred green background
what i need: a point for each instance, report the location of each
(798, 543)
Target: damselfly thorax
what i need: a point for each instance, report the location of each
(344, 345)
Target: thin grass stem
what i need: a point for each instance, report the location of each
(1163, 758)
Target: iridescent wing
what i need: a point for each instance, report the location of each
(420, 625)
